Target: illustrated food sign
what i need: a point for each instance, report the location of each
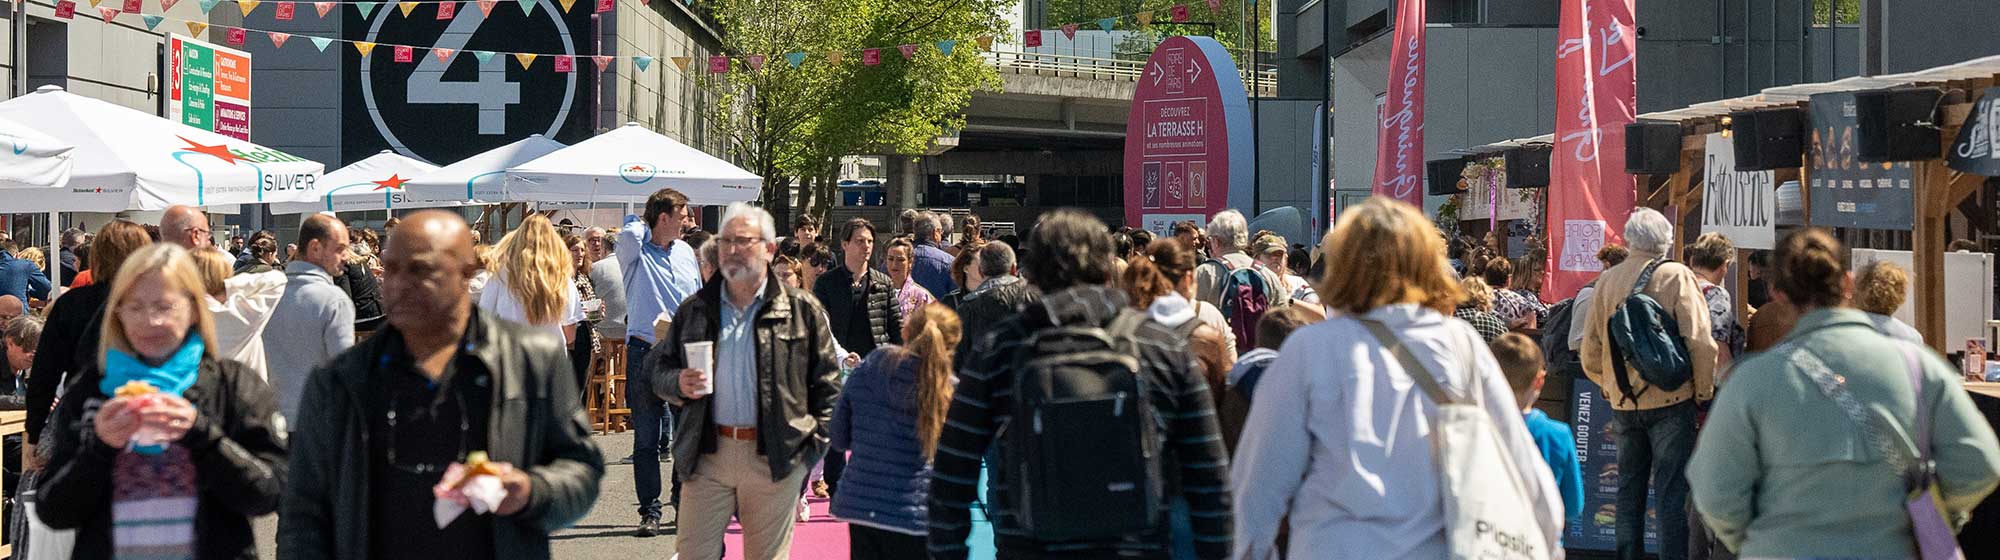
(1848, 192)
(1597, 454)
(208, 87)
(1189, 118)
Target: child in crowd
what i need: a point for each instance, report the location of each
(1521, 361)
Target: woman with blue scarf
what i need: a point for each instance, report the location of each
(161, 449)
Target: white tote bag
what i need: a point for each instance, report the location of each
(45, 543)
(1487, 516)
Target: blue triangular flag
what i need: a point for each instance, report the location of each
(643, 62)
(152, 21)
(528, 7)
(321, 42)
(796, 58)
(367, 8)
(1107, 23)
(207, 5)
(946, 46)
(483, 56)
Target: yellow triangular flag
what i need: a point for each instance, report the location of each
(247, 5)
(195, 28)
(406, 6)
(681, 62)
(566, 4)
(94, 3)
(525, 58)
(364, 47)
(1145, 18)
(833, 57)
(985, 42)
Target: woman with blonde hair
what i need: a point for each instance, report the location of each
(69, 334)
(241, 304)
(533, 280)
(1879, 290)
(889, 415)
(160, 435)
(1339, 438)
(1477, 309)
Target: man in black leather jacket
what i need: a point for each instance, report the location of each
(755, 424)
(388, 418)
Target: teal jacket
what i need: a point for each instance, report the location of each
(1779, 471)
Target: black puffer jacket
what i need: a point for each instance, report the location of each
(366, 292)
(985, 307)
(835, 290)
(238, 454)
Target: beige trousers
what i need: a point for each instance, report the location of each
(737, 480)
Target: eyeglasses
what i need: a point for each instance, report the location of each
(739, 241)
(148, 310)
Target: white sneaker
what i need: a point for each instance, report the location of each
(805, 510)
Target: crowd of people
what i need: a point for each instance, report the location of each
(1070, 391)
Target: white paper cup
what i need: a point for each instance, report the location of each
(592, 305)
(701, 356)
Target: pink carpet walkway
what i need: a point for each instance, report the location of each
(823, 538)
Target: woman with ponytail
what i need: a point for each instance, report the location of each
(889, 415)
(1806, 450)
(1160, 281)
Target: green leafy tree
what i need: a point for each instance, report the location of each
(791, 124)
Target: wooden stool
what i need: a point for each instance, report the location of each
(606, 393)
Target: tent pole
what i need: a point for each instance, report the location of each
(55, 255)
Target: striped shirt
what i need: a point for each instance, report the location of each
(1195, 465)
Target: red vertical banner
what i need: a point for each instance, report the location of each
(1590, 194)
(1399, 135)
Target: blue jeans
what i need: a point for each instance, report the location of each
(652, 426)
(1654, 446)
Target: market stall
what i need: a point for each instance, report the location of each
(375, 183)
(480, 178)
(32, 160)
(626, 166)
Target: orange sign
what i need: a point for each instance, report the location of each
(232, 75)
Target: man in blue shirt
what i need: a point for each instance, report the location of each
(1521, 361)
(660, 272)
(20, 278)
(931, 266)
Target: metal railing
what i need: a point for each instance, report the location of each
(1072, 66)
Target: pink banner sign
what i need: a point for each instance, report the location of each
(1189, 117)
(1590, 194)
(1399, 138)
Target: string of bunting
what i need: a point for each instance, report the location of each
(563, 62)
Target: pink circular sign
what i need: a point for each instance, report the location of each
(1190, 123)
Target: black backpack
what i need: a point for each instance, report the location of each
(1642, 333)
(1561, 360)
(1083, 457)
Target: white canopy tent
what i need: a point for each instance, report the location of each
(481, 178)
(627, 165)
(32, 160)
(131, 160)
(378, 182)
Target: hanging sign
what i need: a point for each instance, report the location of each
(1189, 118)
(1847, 192)
(1974, 151)
(208, 87)
(1596, 96)
(1399, 138)
(1740, 205)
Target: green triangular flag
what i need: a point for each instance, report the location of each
(483, 56)
(1107, 23)
(643, 62)
(796, 59)
(207, 5)
(321, 42)
(946, 46)
(152, 21)
(367, 8)
(528, 6)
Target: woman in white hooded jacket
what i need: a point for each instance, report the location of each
(1339, 434)
(241, 305)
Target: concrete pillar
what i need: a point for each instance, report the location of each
(905, 178)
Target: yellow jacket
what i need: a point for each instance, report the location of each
(1675, 286)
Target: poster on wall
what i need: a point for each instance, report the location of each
(1189, 116)
(1847, 192)
(1597, 453)
(208, 87)
(1973, 152)
(1740, 205)
(444, 108)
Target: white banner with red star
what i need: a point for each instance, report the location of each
(374, 183)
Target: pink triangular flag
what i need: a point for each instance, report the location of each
(134, 6)
(278, 39)
(168, 4)
(565, 63)
(325, 7)
(603, 62)
(443, 55)
(1069, 30)
(286, 10)
(1214, 5)
(108, 12)
(447, 10)
(909, 51)
(606, 5)
(486, 7)
(756, 61)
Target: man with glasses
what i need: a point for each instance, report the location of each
(757, 407)
(314, 319)
(188, 227)
(403, 413)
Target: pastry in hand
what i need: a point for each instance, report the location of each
(135, 388)
(476, 464)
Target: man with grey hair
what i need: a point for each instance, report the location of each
(742, 446)
(1656, 431)
(1228, 236)
(930, 266)
(998, 294)
(72, 238)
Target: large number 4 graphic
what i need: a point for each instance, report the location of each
(491, 92)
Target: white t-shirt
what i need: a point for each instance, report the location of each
(498, 299)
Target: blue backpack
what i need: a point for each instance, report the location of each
(1642, 334)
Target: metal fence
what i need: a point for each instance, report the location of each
(1072, 66)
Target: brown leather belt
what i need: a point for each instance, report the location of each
(732, 432)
